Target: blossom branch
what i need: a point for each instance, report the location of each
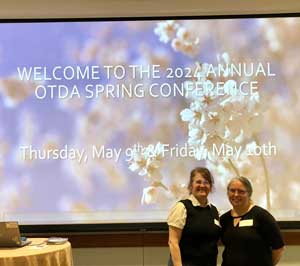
(233, 167)
(266, 173)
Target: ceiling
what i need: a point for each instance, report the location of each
(14, 9)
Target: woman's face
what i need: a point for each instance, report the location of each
(200, 187)
(238, 194)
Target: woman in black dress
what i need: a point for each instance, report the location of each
(194, 227)
(250, 234)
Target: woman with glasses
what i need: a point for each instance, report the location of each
(194, 227)
(250, 234)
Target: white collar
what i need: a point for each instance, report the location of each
(195, 202)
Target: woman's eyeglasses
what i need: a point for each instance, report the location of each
(204, 182)
(237, 191)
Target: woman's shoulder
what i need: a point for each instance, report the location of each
(225, 219)
(259, 210)
(262, 213)
(183, 201)
(178, 207)
(226, 215)
(176, 215)
(179, 204)
(214, 208)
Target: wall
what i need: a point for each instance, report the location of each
(115, 8)
(150, 256)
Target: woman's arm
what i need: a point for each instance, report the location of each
(276, 255)
(174, 239)
(271, 234)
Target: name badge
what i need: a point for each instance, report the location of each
(217, 222)
(246, 223)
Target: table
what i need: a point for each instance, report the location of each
(38, 253)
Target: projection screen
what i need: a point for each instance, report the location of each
(102, 121)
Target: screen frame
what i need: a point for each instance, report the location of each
(118, 227)
(139, 227)
(146, 18)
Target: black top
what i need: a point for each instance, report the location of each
(198, 243)
(252, 240)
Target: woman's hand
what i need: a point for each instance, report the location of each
(276, 255)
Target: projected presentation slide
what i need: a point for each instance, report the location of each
(102, 121)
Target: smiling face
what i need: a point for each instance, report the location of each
(200, 187)
(238, 194)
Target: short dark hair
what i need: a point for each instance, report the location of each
(245, 181)
(205, 173)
